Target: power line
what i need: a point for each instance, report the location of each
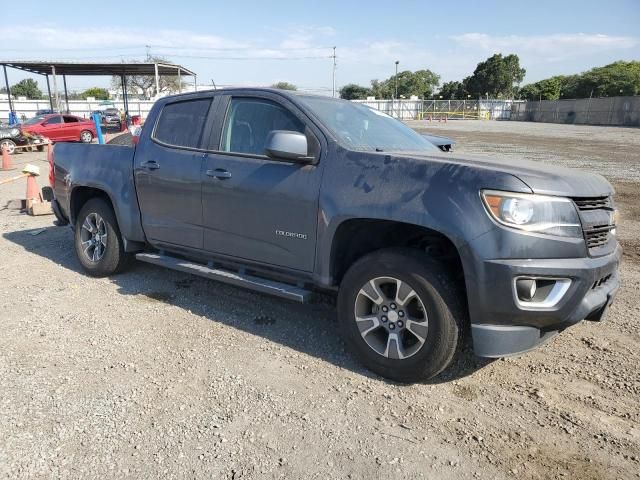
(206, 57)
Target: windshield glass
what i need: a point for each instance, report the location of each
(34, 120)
(363, 128)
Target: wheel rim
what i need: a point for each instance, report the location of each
(10, 146)
(93, 236)
(86, 137)
(391, 318)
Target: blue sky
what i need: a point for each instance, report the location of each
(259, 43)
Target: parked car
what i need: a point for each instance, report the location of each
(111, 116)
(59, 128)
(287, 193)
(13, 136)
(45, 111)
(443, 143)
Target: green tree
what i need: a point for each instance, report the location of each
(352, 91)
(26, 88)
(547, 89)
(497, 76)
(615, 79)
(284, 86)
(95, 92)
(420, 83)
(452, 91)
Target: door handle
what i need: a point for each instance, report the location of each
(151, 165)
(219, 173)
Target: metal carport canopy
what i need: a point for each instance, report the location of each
(73, 68)
(121, 69)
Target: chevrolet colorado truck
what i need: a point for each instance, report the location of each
(288, 194)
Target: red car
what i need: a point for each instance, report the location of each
(62, 128)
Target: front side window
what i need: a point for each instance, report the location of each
(181, 124)
(54, 120)
(69, 119)
(249, 122)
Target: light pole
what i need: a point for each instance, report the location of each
(396, 78)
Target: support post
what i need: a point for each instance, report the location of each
(55, 87)
(195, 82)
(66, 96)
(49, 91)
(157, 80)
(124, 92)
(96, 120)
(6, 82)
(179, 81)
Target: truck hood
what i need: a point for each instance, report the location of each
(541, 178)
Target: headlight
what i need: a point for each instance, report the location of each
(14, 132)
(534, 213)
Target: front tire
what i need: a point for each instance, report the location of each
(401, 313)
(98, 241)
(86, 136)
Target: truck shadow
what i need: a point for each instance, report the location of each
(310, 329)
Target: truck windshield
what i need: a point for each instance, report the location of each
(363, 128)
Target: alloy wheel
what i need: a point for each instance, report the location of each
(391, 317)
(94, 237)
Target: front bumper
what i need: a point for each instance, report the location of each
(503, 328)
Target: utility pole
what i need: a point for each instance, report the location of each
(148, 47)
(333, 90)
(396, 78)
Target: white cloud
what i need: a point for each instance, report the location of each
(553, 47)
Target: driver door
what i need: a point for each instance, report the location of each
(254, 207)
(52, 128)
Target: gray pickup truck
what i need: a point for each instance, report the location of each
(288, 193)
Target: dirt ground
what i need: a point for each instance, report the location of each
(154, 373)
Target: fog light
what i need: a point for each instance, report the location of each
(539, 292)
(526, 289)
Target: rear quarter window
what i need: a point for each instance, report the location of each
(181, 124)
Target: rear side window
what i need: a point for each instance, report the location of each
(181, 124)
(249, 122)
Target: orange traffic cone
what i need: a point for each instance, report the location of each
(33, 192)
(6, 160)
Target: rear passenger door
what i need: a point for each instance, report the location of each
(167, 170)
(254, 207)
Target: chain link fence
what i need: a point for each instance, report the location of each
(485, 109)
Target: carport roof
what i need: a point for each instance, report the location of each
(76, 68)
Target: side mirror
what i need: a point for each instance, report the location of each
(287, 145)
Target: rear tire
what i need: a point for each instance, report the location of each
(98, 241)
(407, 324)
(10, 145)
(86, 136)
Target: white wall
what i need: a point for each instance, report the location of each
(82, 108)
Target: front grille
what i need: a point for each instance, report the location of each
(597, 221)
(597, 236)
(592, 203)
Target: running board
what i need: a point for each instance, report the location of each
(271, 287)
